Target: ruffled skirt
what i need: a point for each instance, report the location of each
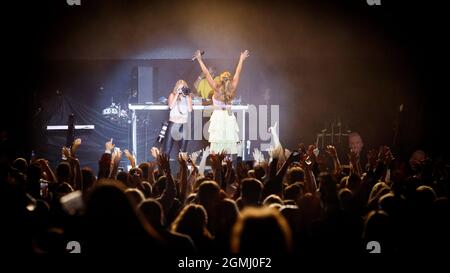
(223, 132)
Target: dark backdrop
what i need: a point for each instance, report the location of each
(322, 60)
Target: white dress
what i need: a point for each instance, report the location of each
(223, 129)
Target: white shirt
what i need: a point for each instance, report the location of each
(180, 110)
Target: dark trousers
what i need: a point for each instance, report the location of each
(176, 132)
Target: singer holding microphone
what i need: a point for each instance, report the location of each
(223, 128)
(204, 90)
(180, 104)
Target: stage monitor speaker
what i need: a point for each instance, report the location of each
(146, 84)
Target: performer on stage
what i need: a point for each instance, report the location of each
(180, 104)
(223, 128)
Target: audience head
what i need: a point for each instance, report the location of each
(88, 178)
(21, 165)
(63, 172)
(355, 142)
(261, 231)
(146, 188)
(152, 211)
(191, 221)
(272, 199)
(295, 174)
(208, 194)
(135, 196)
(251, 191)
(293, 191)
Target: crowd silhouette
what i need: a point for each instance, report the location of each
(297, 202)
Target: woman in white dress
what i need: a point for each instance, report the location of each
(223, 129)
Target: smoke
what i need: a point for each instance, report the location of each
(320, 61)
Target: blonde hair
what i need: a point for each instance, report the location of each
(177, 84)
(225, 86)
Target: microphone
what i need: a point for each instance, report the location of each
(201, 53)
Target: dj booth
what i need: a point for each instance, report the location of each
(196, 118)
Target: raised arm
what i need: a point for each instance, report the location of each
(115, 161)
(78, 178)
(244, 55)
(205, 70)
(73, 149)
(355, 164)
(182, 158)
(130, 158)
(282, 171)
(275, 138)
(104, 164)
(170, 192)
(68, 156)
(194, 173)
(48, 170)
(202, 165)
(230, 175)
(75, 179)
(216, 165)
(386, 158)
(310, 179)
(331, 150)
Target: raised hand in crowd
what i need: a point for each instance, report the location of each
(170, 192)
(193, 158)
(241, 173)
(104, 164)
(202, 164)
(230, 176)
(76, 143)
(355, 163)
(276, 152)
(130, 158)
(194, 173)
(163, 163)
(216, 160)
(109, 145)
(385, 155)
(65, 152)
(154, 151)
(322, 161)
(116, 156)
(331, 150)
(258, 156)
(216, 165)
(48, 173)
(182, 161)
(193, 161)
